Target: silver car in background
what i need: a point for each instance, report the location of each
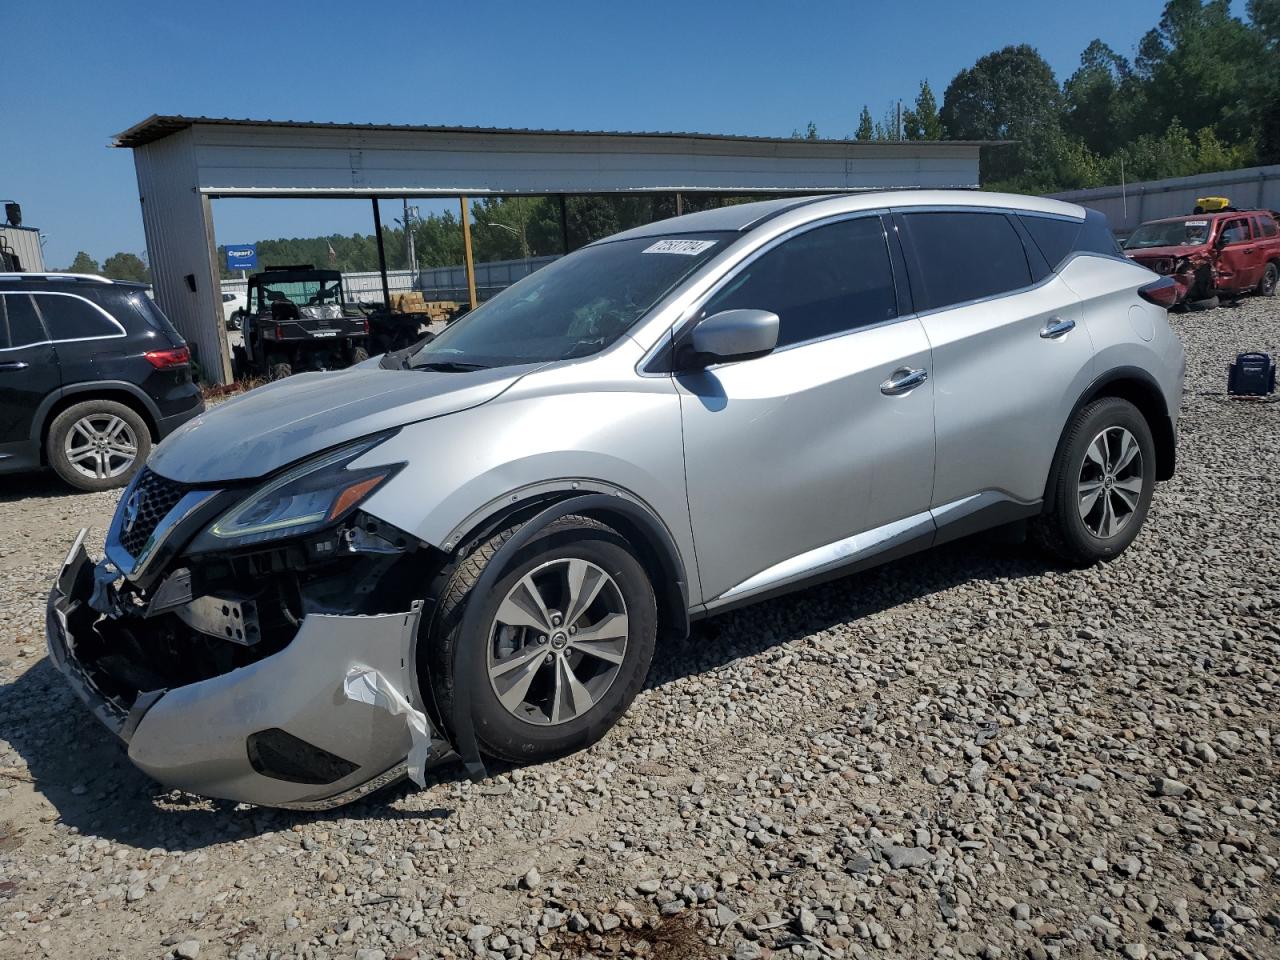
(468, 550)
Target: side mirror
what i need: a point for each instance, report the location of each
(734, 335)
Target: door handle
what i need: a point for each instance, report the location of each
(1056, 328)
(903, 380)
(14, 365)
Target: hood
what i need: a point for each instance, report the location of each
(262, 430)
(1164, 253)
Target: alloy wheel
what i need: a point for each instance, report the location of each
(1110, 484)
(101, 446)
(558, 641)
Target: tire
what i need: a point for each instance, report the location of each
(278, 371)
(531, 732)
(1267, 285)
(1081, 538)
(87, 442)
(359, 355)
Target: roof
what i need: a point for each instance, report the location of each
(157, 127)
(744, 216)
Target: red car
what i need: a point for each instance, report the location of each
(1228, 253)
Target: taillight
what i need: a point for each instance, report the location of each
(366, 325)
(1162, 292)
(160, 359)
(279, 332)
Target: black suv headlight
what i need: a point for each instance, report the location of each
(312, 495)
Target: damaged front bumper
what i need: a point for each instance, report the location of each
(328, 718)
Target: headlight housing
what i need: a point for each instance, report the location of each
(314, 494)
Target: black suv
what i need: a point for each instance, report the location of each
(91, 374)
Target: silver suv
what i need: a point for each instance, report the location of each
(468, 549)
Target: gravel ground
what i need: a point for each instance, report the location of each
(967, 753)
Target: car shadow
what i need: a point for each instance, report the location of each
(86, 776)
(38, 483)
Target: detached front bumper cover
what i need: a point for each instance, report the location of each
(196, 737)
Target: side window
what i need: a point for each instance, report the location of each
(1055, 238)
(21, 324)
(1268, 225)
(71, 318)
(1234, 231)
(964, 256)
(1096, 236)
(828, 280)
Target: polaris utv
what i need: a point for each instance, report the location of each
(297, 320)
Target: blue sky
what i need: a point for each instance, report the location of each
(77, 72)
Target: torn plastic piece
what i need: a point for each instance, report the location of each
(366, 685)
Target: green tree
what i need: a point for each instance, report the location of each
(126, 266)
(1010, 94)
(922, 122)
(1198, 64)
(1101, 98)
(83, 263)
(866, 128)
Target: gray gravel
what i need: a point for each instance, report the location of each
(969, 753)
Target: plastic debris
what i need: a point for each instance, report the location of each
(366, 685)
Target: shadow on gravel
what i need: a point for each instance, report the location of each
(86, 775)
(44, 483)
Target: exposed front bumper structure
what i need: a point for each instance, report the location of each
(281, 731)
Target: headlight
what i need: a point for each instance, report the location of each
(308, 497)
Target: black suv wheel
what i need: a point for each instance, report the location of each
(97, 444)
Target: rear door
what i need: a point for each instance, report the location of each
(793, 457)
(28, 371)
(1010, 357)
(87, 338)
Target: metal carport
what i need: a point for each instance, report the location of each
(183, 163)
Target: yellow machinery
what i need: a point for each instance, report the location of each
(1211, 204)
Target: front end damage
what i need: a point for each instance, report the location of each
(1194, 273)
(283, 675)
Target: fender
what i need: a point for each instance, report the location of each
(41, 417)
(1151, 403)
(592, 504)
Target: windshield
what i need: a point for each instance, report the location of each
(573, 307)
(301, 292)
(1170, 233)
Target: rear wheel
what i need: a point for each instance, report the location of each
(1102, 486)
(97, 444)
(359, 355)
(278, 371)
(1267, 286)
(568, 633)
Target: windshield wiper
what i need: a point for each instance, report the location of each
(450, 366)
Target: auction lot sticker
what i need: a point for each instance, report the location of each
(688, 248)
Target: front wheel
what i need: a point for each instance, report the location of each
(1104, 477)
(568, 633)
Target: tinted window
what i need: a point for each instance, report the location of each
(20, 326)
(71, 318)
(825, 281)
(122, 304)
(1268, 225)
(1055, 238)
(964, 256)
(1096, 236)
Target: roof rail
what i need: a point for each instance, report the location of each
(46, 275)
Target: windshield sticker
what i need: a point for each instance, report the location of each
(1196, 223)
(687, 248)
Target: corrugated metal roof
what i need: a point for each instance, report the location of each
(157, 127)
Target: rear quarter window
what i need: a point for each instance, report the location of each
(71, 317)
(962, 256)
(126, 304)
(1268, 226)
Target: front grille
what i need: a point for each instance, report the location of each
(152, 498)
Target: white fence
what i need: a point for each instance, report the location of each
(1128, 207)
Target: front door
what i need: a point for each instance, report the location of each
(28, 373)
(1240, 257)
(799, 461)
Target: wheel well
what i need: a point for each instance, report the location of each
(1150, 403)
(662, 569)
(116, 396)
